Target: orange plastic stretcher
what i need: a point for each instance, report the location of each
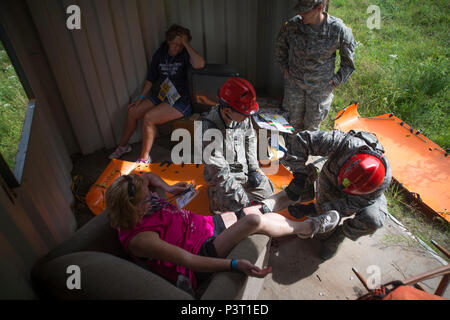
(172, 174)
(419, 164)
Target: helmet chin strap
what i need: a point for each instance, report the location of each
(229, 118)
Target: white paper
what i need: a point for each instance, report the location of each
(183, 200)
(279, 122)
(172, 94)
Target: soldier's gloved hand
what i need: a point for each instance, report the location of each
(300, 210)
(255, 177)
(296, 187)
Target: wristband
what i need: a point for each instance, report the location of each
(141, 97)
(234, 265)
(264, 208)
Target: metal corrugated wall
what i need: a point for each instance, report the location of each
(240, 33)
(38, 216)
(101, 67)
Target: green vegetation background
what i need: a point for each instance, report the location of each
(13, 106)
(401, 67)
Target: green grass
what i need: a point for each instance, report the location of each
(13, 106)
(402, 67)
(423, 227)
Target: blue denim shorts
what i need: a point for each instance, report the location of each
(183, 104)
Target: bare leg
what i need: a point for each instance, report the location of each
(276, 225)
(276, 203)
(162, 113)
(271, 224)
(134, 114)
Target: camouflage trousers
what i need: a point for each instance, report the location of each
(306, 109)
(221, 200)
(366, 221)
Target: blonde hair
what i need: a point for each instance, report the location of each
(124, 210)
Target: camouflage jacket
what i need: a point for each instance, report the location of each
(309, 54)
(338, 146)
(237, 154)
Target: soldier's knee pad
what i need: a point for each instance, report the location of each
(363, 224)
(372, 217)
(372, 220)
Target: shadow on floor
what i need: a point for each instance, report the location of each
(288, 268)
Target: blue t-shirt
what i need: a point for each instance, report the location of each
(175, 68)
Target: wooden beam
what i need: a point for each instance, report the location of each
(442, 286)
(443, 270)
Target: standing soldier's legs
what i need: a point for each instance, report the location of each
(294, 103)
(317, 108)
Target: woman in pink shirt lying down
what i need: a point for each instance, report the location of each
(175, 242)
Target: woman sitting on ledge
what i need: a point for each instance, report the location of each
(176, 242)
(169, 67)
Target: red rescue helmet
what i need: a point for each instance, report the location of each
(239, 95)
(361, 174)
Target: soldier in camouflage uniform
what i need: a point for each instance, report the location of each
(231, 171)
(306, 52)
(345, 151)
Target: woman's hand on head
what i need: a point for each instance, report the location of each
(251, 270)
(183, 39)
(177, 188)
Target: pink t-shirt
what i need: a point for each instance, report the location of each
(178, 227)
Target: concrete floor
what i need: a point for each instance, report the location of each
(298, 272)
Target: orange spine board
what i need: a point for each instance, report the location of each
(419, 164)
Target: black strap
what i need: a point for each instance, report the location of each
(240, 213)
